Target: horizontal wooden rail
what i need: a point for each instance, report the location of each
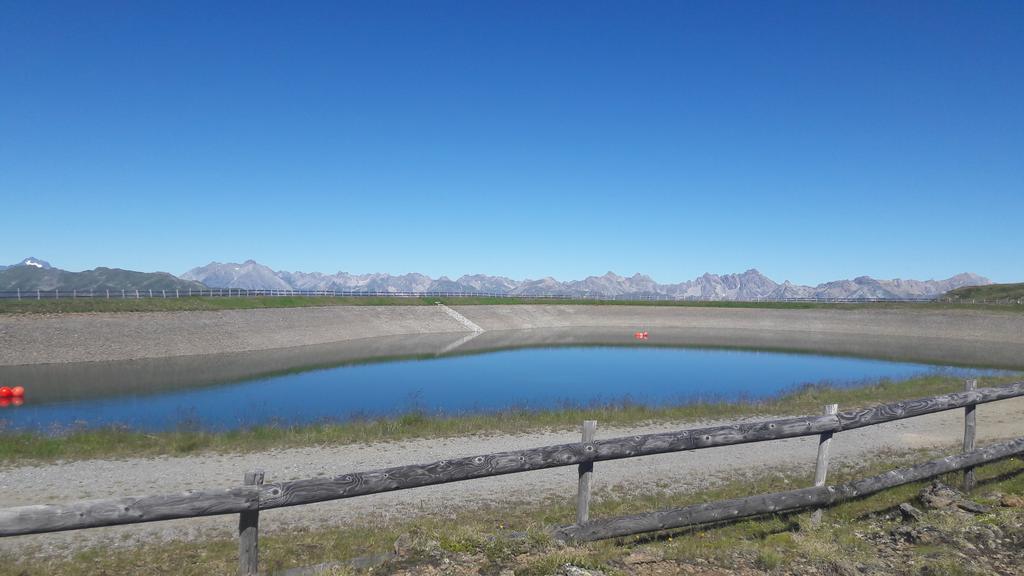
(469, 468)
(51, 518)
(909, 408)
(783, 501)
(115, 511)
(472, 467)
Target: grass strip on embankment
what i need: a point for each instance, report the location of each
(111, 442)
(857, 537)
(195, 303)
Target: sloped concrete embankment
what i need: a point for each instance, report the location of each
(28, 339)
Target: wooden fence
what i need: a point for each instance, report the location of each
(255, 495)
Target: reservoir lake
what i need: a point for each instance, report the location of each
(526, 378)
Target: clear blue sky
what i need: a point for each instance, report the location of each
(811, 140)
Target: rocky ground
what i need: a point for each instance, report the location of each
(941, 532)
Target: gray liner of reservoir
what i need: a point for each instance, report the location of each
(48, 382)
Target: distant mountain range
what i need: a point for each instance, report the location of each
(34, 274)
(749, 285)
(37, 274)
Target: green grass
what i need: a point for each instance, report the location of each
(474, 301)
(514, 536)
(990, 292)
(81, 305)
(23, 447)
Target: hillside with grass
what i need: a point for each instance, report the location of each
(989, 292)
(31, 278)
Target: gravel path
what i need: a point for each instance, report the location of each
(687, 471)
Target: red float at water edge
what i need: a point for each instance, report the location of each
(8, 396)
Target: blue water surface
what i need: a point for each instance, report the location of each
(524, 378)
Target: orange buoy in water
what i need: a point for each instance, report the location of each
(18, 392)
(5, 392)
(5, 402)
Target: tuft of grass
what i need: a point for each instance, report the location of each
(768, 559)
(28, 447)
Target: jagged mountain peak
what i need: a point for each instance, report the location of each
(968, 279)
(249, 274)
(34, 262)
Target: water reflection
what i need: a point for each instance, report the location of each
(436, 373)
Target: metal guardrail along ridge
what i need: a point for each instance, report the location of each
(118, 294)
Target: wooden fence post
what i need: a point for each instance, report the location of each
(821, 465)
(586, 471)
(249, 532)
(970, 425)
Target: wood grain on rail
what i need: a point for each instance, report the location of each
(297, 492)
(851, 419)
(95, 513)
